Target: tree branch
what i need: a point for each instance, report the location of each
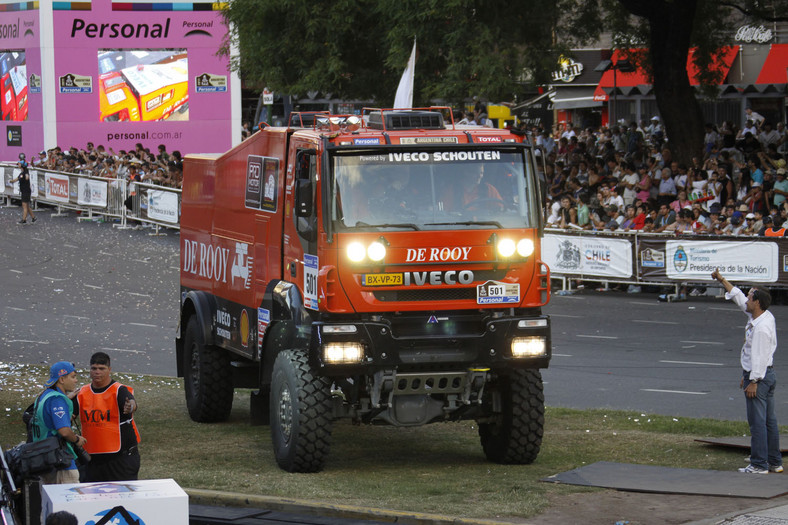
(761, 14)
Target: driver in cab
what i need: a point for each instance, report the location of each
(471, 193)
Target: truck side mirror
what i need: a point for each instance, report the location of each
(303, 197)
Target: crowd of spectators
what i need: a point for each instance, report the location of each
(625, 178)
(137, 165)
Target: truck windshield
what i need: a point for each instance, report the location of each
(434, 190)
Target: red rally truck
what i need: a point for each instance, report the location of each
(384, 269)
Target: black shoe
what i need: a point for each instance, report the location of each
(34, 219)
(23, 221)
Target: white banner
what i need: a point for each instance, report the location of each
(56, 187)
(92, 193)
(595, 256)
(755, 261)
(163, 206)
(34, 183)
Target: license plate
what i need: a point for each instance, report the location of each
(381, 279)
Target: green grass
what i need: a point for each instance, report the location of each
(439, 468)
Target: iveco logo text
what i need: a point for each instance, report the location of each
(437, 278)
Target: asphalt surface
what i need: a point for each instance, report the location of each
(71, 288)
(632, 352)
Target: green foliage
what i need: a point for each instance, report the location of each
(359, 49)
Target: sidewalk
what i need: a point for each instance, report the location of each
(766, 514)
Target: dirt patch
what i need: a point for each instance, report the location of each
(608, 507)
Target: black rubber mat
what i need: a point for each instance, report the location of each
(666, 480)
(740, 442)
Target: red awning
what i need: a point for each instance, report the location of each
(774, 68)
(639, 77)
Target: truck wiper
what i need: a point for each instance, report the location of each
(360, 224)
(467, 223)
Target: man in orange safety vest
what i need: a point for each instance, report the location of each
(106, 412)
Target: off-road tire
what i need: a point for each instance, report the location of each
(300, 414)
(207, 377)
(515, 434)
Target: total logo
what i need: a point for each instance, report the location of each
(212, 262)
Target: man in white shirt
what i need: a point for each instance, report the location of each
(758, 379)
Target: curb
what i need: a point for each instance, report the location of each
(232, 499)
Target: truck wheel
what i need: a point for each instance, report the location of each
(300, 414)
(207, 377)
(515, 435)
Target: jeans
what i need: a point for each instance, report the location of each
(764, 432)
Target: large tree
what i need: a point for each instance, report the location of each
(358, 49)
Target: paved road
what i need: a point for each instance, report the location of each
(630, 351)
(72, 288)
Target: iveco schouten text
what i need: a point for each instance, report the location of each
(383, 268)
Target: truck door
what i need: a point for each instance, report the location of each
(300, 256)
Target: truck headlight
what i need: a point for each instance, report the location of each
(506, 247)
(525, 247)
(356, 252)
(528, 346)
(343, 353)
(376, 251)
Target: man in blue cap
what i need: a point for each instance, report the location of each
(53, 411)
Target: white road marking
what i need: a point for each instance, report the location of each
(141, 261)
(15, 308)
(673, 391)
(77, 317)
(143, 324)
(653, 322)
(598, 336)
(54, 278)
(139, 294)
(70, 246)
(561, 355)
(17, 271)
(175, 267)
(26, 341)
(124, 350)
(94, 286)
(702, 342)
(692, 363)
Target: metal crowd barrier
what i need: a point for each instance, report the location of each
(639, 258)
(97, 198)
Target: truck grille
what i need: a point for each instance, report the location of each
(433, 294)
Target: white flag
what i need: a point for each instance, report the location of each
(404, 98)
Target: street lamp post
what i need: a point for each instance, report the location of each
(623, 65)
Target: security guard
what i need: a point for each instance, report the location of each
(106, 412)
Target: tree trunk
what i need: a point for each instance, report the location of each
(671, 29)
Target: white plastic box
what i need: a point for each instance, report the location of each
(151, 501)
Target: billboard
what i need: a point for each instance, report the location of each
(20, 79)
(147, 78)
